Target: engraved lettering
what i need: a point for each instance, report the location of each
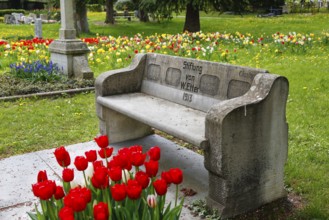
(191, 66)
(187, 97)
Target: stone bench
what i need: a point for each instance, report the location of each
(236, 114)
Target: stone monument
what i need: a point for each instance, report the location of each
(68, 52)
(38, 28)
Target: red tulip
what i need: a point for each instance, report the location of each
(115, 173)
(154, 153)
(176, 175)
(133, 189)
(138, 158)
(44, 190)
(81, 163)
(68, 174)
(102, 141)
(42, 176)
(143, 179)
(121, 160)
(91, 155)
(160, 186)
(98, 163)
(101, 211)
(59, 194)
(62, 156)
(108, 150)
(77, 199)
(66, 213)
(135, 148)
(151, 168)
(100, 178)
(118, 192)
(166, 176)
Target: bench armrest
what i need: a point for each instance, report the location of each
(261, 111)
(125, 80)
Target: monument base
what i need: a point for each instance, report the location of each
(71, 57)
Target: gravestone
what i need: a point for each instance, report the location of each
(68, 52)
(43, 17)
(38, 28)
(33, 16)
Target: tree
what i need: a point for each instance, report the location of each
(82, 25)
(109, 12)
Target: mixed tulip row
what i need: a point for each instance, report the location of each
(114, 186)
(210, 46)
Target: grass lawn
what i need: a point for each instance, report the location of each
(34, 124)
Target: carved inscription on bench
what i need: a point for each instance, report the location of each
(190, 83)
(237, 88)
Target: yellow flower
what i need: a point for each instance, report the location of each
(98, 60)
(119, 60)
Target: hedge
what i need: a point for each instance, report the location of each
(9, 11)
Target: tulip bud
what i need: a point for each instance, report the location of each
(151, 201)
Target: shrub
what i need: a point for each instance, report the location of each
(124, 5)
(36, 71)
(95, 7)
(9, 11)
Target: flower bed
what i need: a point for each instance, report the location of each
(114, 187)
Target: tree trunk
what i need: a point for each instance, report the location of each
(81, 18)
(109, 12)
(192, 19)
(143, 16)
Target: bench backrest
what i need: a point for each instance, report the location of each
(195, 83)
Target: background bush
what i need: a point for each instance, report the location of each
(125, 4)
(9, 11)
(95, 7)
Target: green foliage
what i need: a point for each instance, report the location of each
(124, 5)
(11, 86)
(95, 7)
(9, 11)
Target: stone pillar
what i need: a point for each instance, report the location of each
(38, 28)
(68, 52)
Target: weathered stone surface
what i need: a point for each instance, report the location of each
(38, 28)
(70, 53)
(239, 119)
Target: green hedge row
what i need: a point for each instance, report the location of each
(9, 11)
(95, 7)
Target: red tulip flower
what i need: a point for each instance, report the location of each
(160, 186)
(102, 141)
(42, 176)
(81, 163)
(68, 174)
(151, 168)
(77, 199)
(154, 153)
(59, 194)
(176, 175)
(108, 151)
(143, 179)
(97, 163)
(91, 155)
(44, 190)
(166, 176)
(138, 159)
(115, 173)
(101, 211)
(133, 189)
(100, 178)
(62, 156)
(118, 192)
(66, 213)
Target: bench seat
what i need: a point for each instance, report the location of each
(178, 120)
